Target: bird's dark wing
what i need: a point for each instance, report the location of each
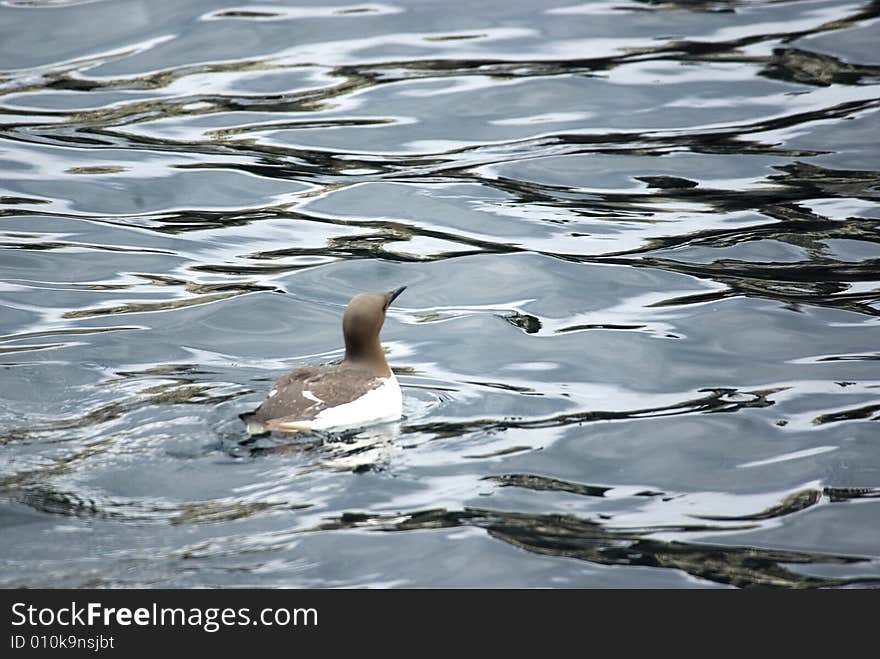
(303, 394)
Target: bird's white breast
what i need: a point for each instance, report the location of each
(384, 403)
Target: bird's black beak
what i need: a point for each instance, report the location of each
(390, 296)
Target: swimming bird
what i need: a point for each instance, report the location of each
(359, 391)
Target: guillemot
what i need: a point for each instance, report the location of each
(359, 391)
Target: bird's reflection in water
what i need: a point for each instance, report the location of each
(358, 451)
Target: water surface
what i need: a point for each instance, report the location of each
(639, 347)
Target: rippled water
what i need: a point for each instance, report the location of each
(639, 345)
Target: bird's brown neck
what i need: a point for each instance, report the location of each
(368, 354)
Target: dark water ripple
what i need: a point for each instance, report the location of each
(639, 344)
